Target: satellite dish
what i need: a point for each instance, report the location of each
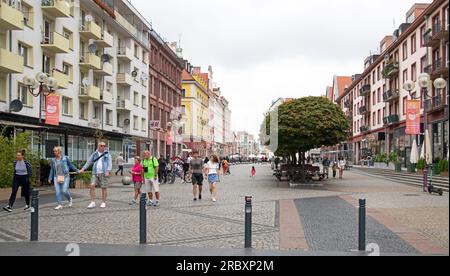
(134, 74)
(126, 122)
(16, 106)
(106, 58)
(92, 48)
(88, 18)
(86, 82)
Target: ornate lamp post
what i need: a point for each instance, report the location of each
(425, 84)
(41, 85)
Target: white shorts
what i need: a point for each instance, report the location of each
(150, 186)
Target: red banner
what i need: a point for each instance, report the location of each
(52, 110)
(412, 117)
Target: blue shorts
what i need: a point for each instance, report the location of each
(213, 178)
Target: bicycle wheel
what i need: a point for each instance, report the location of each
(171, 178)
(188, 178)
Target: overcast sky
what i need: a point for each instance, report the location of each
(261, 50)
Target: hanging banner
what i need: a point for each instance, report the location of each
(413, 117)
(52, 110)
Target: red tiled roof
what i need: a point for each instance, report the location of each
(342, 83)
(186, 76)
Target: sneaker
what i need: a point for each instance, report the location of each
(200, 197)
(92, 205)
(156, 204)
(70, 203)
(150, 203)
(214, 199)
(103, 205)
(59, 207)
(27, 208)
(8, 209)
(195, 199)
(133, 202)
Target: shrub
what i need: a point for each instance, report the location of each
(421, 164)
(443, 166)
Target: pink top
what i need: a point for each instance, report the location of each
(137, 173)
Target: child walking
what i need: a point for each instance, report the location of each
(253, 172)
(138, 179)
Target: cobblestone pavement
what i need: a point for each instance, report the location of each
(181, 222)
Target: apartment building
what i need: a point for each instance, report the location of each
(98, 53)
(195, 106)
(376, 99)
(166, 66)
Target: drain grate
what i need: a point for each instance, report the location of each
(411, 195)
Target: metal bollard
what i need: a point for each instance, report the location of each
(34, 216)
(143, 220)
(362, 225)
(248, 221)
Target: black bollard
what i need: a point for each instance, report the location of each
(34, 216)
(362, 225)
(248, 222)
(143, 220)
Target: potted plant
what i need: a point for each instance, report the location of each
(412, 168)
(443, 167)
(83, 180)
(393, 157)
(420, 166)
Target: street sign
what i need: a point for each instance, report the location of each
(154, 125)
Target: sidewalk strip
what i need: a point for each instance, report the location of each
(413, 237)
(292, 235)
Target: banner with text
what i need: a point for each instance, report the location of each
(52, 110)
(413, 117)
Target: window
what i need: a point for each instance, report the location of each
(136, 98)
(405, 99)
(374, 99)
(413, 44)
(135, 123)
(136, 51)
(374, 121)
(143, 125)
(422, 36)
(67, 106)
(109, 117)
(83, 111)
(405, 50)
(46, 64)
(378, 73)
(109, 87)
(28, 14)
(414, 72)
(27, 53)
(97, 112)
(423, 62)
(379, 95)
(379, 117)
(69, 35)
(72, 8)
(405, 75)
(183, 93)
(144, 102)
(24, 96)
(68, 70)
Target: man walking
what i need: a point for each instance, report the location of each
(326, 166)
(101, 169)
(151, 171)
(120, 162)
(196, 170)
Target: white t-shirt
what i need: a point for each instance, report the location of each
(342, 164)
(99, 167)
(212, 167)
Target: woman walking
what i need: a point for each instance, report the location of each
(341, 166)
(212, 171)
(22, 174)
(60, 167)
(253, 172)
(138, 178)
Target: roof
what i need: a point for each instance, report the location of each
(342, 83)
(186, 76)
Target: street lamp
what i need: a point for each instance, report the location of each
(425, 83)
(42, 85)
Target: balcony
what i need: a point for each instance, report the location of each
(391, 120)
(438, 69)
(11, 18)
(348, 104)
(90, 61)
(61, 78)
(56, 8)
(391, 70)
(438, 103)
(105, 70)
(124, 79)
(428, 40)
(365, 90)
(363, 110)
(125, 54)
(439, 32)
(105, 98)
(89, 93)
(91, 31)
(10, 63)
(364, 129)
(55, 43)
(106, 40)
(390, 96)
(124, 105)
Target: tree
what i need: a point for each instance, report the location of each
(309, 123)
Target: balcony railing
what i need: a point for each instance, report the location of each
(364, 129)
(11, 18)
(363, 110)
(438, 102)
(391, 119)
(55, 43)
(56, 8)
(392, 69)
(439, 32)
(390, 96)
(365, 90)
(439, 68)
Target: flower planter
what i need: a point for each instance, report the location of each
(398, 167)
(81, 185)
(412, 168)
(420, 172)
(444, 174)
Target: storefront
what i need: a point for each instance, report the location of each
(440, 139)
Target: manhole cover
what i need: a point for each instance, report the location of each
(411, 195)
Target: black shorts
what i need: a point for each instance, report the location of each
(197, 179)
